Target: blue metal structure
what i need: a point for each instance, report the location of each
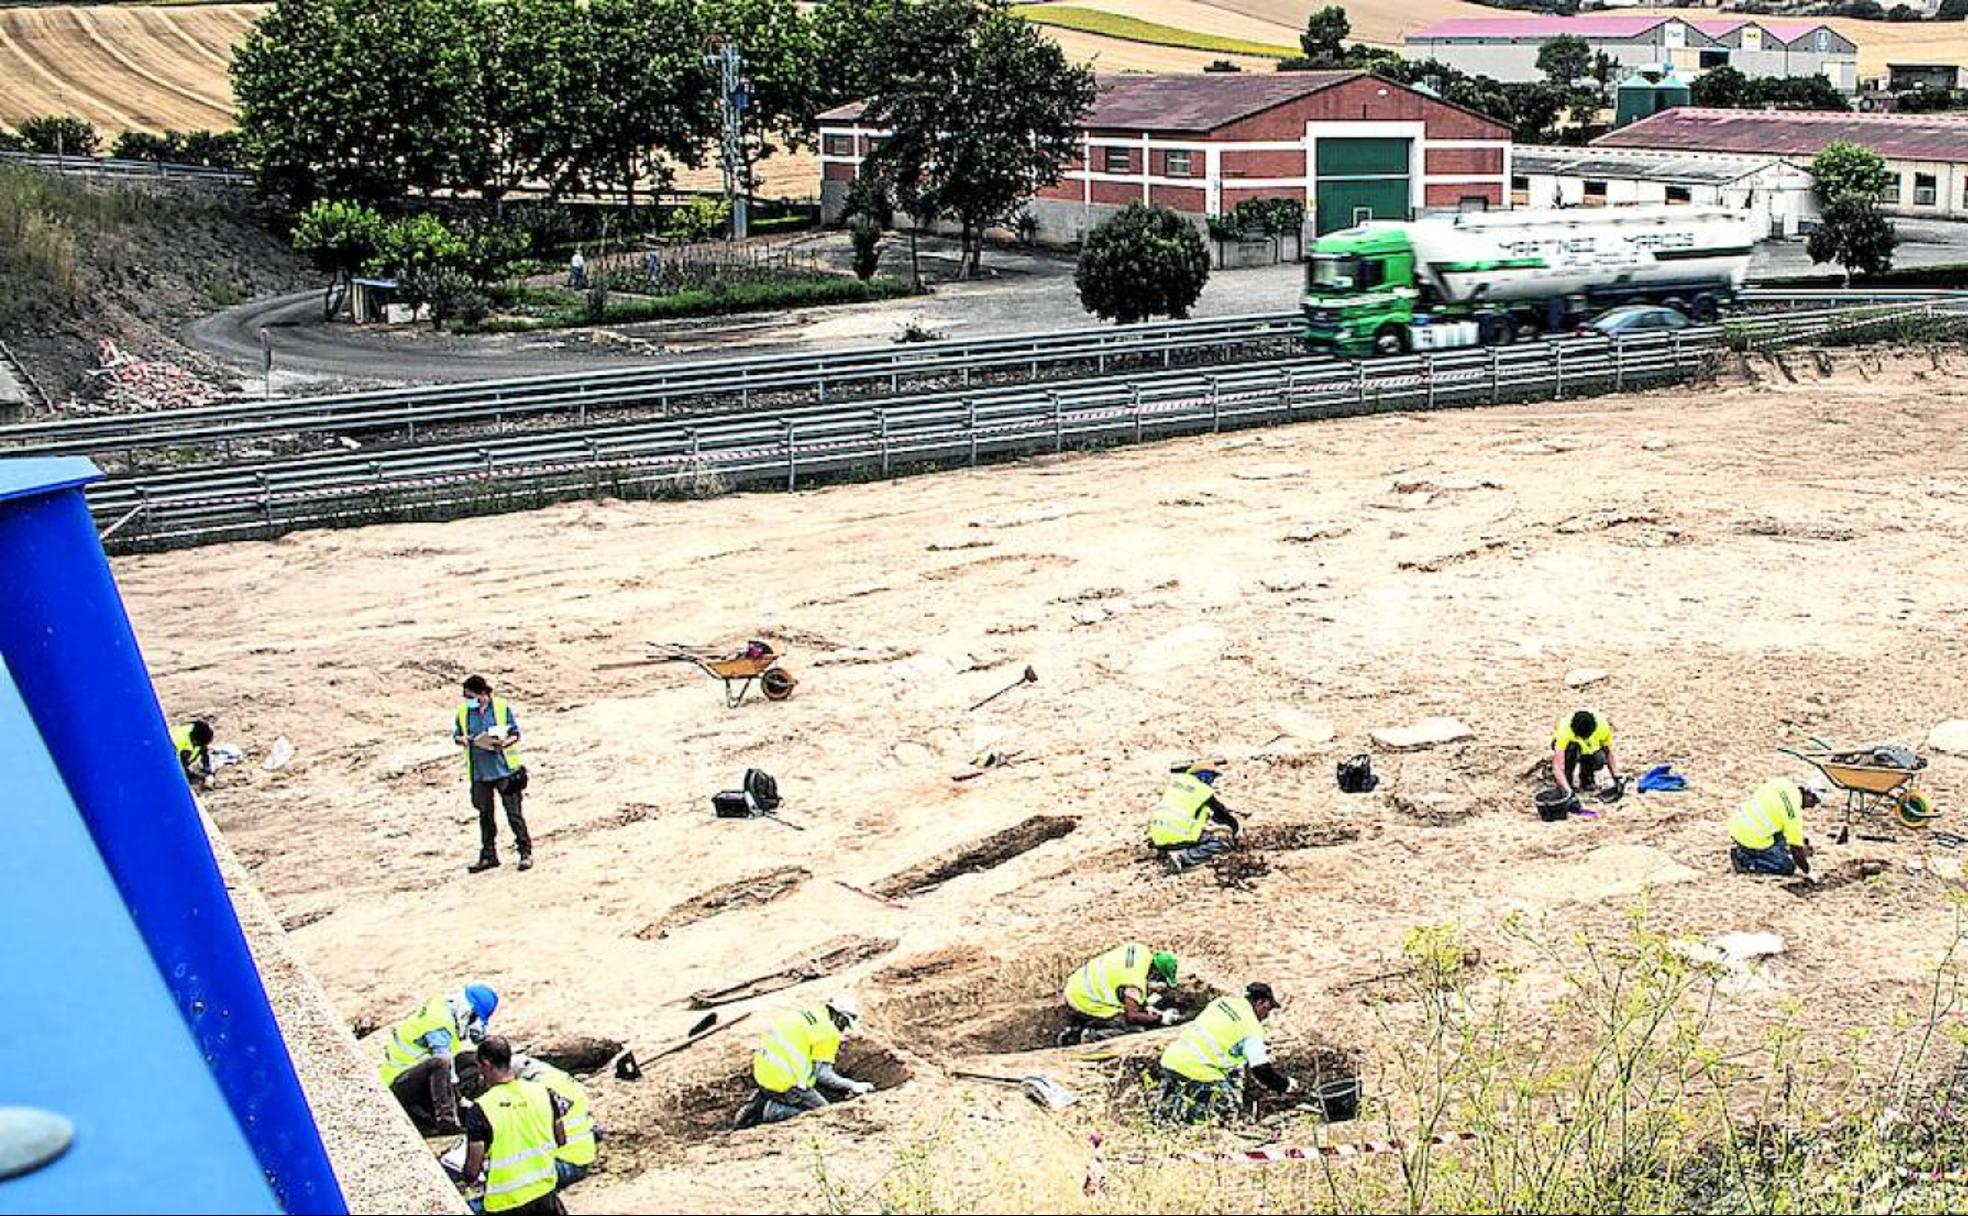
(116, 912)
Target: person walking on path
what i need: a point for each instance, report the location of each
(486, 728)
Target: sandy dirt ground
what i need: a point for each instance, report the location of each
(1759, 561)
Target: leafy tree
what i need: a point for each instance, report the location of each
(448, 291)
(1853, 234)
(1143, 262)
(222, 149)
(495, 248)
(1324, 39)
(782, 67)
(1221, 65)
(1902, 12)
(1723, 88)
(1845, 170)
(1565, 60)
(1952, 10)
(1847, 181)
(982, 111)
(1605, 71)
(59, 133)
(360, 99)
(847, 39)
(339, 238)
(525, 101)
(145, 145)
(10, 142)
(641, 99)
(1929, 99)
(866, 234)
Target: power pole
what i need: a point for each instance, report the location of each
(734, 98)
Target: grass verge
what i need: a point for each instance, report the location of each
(1153, 33)
(561, 309)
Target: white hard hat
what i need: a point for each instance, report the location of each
(1816, 786)
(845, 1005)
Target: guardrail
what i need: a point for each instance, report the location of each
(110, 166)
(594, 396)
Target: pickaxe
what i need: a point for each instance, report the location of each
(1030, 677)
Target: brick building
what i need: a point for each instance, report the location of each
(1348, 144)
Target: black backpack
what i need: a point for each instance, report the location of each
(1356, 775)
(762, 789)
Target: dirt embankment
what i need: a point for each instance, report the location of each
(83, 261)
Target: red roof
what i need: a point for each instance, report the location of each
(1796, 133)
(1187, 102)
(1600, 27)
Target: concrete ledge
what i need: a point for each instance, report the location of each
(381, 1161)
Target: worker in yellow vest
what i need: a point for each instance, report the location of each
(1183, 829)
(193, 742)
(1201, 1071)
(1766, 833)
(1581, 745)
(1115, 993)
(577, 1154)
(511, 1136)
(486, 728)
(418, 1055)
(795, 1061)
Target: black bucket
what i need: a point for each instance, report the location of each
(1338, 1101)
(1555, 804)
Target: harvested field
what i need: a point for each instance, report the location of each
(122, 67)
(1753, 629)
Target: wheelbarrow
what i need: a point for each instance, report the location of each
(757, 663)
(1878, 782)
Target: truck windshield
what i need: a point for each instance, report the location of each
(1333, 272)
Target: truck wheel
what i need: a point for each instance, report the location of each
(1389, 340)
(1705, 309)
(1677, 304)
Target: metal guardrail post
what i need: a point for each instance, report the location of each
(1291, 395)
(970, 425)
(266, 499)
(792, 458)
(1677, 354)
(882, 418)
(1058, 423)
(1496, 375)
(1137, 413)
(1360, 382)
(1558, 371)
(1428, 374)
(1216, 406)
(1619, 363)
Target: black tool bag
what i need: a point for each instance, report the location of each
(731, 804)
(763, 789)
(1356, 775)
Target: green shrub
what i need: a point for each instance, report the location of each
(63, 133)
(791, 291)
(143, 145)
(866, 235)
(700, 219)
(1143, 262)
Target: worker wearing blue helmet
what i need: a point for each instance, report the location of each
(418, 1055)
(1184, 827)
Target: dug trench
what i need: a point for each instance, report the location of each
(754, 890)
(988, 853)
(648, 1124)
(1004, 1010)
(1136, 1075)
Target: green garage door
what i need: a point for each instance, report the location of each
(1361, 179)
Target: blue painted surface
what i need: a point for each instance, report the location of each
(74, 659)
(88, 1030)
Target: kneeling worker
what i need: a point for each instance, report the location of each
(795, 1061)
(1767, 833)
(1110, 994)
(417, 1055)
(1182, 829)
(1199, 1070)
(193, 742)
(1580, 746)
(576, 1154)
(511, 1135)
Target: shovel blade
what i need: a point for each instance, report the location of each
(1048, 1092)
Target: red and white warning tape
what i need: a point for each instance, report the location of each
(1317, 1152)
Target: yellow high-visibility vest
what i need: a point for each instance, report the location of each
(1095, 989)
(519, 1163)
(1562, 737)
(1183, 814)
(404, 1048)
(1775, 808)
(502, 716)
(790, 1051)
(1207, 1050)
(578, 1122)
(181, 740)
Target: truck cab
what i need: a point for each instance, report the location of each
(1360, 288)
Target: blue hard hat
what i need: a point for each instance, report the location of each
(1205, 775)
(483, 1000)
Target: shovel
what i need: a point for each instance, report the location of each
(1030, 677)
(1043, 1090)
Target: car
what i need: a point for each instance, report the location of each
(1634, 319)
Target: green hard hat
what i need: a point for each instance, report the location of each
(1163, 965)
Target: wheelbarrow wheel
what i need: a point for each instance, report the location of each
(777, 685)
(1914, 809)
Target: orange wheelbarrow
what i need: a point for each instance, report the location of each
(1878, 781)
(757, 663)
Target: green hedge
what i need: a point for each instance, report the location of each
(568, 308)
(1947, 275)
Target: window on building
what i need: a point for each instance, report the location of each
(1519, 182)
(1473, 202)
(1926, 191)
(1595, 193)
(1712, 59)
(838, 145)
(1117, 160)
(1178, 163)
(1891, 194)
(1680, 194)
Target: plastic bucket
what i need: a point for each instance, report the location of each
(1338, 1101)
(1555, 804)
